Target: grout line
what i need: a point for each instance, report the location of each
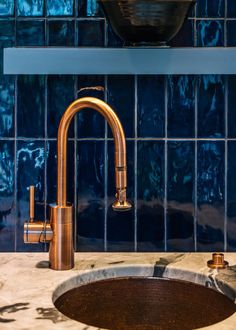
(135, 163)
(15, 167)
(46, 146)
(105, 170)
(165, 164)
(196, 167)
(111, 139)
(226, 167)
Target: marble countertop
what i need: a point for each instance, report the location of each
(28, 287)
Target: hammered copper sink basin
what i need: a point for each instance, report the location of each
(145, 303)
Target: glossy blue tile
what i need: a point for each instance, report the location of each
(180, 196)
(121, 99)
(91, 33)
(7, 7)
(90, 196)
(231, 35)
(231, 106)
(60, 95)
(89, 8)
(30, 7)
(209, 8)
(150, 192)
(120, 225)
(113, 40)
(7, 204)
(211, 111)
(31, 106)
(210, 198)
(7, 100)
(185, 37)
(231, 8)
(231, 194)
(181, 104)
(210, 33)
(61, 33)
(30, 33)
(60, 7)
(7, 38)
(151, 106)
(30, 171)
(89, 122)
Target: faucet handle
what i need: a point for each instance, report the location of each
(31, 193)
(121, 203)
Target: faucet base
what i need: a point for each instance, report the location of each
(61, 250)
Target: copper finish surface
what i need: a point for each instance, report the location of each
(145, 304)
(217, 261)
(31, 203)
(37, 232)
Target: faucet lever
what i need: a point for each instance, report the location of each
(31, 189)
(121, 203)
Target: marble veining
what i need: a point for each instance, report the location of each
(32, 306)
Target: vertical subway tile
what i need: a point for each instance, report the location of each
(120, 225)
(7, 204)
(90, 123)
(7, 38)
(181, 103)
(30, 171)
(61, 33)
(30, 7)
(60, 95)
(180, 196)
(113, 40)
(151, 106)
(209, 8)
(7, 100)
(30, 33)
(121, 98)
(210, 198)
(90, 196)
(89, 8)
(231, 36)
(91, 33)
(150, 192)
(231, 106)
(210, 33)
(60, 7)
(7, 7)
(231, 193)
(185, 37)
(231, 8)
(31, 106)
(211, 112)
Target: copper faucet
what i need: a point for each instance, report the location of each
(59, 230)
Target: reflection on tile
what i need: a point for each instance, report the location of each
(211, 192)
(30, 106)
(60, 95)
(231, 8)
(7, 7)
(231, 206)
(90, 123)
(7, 90)
(231, 106)
(60, 7)
(210, 33)
(151, 106)
(180, 196)
(150, 180)
(121, 99)
(120, 225)
(181, 106)
(61, 33)
(89, 8)
(7, 209)
(231, 36)
(185, 37)
(209, 8)
(30, 171)
(30, 7)
(7, 38)
(113, 39)
(211, 121)
(91, 33)
(30, 33)
(90, 211)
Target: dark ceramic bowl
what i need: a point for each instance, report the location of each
(146, 22)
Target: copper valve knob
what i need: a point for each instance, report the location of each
(217, 261)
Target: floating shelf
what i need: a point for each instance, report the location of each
(101, 61)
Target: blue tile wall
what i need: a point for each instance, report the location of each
(181, 137)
